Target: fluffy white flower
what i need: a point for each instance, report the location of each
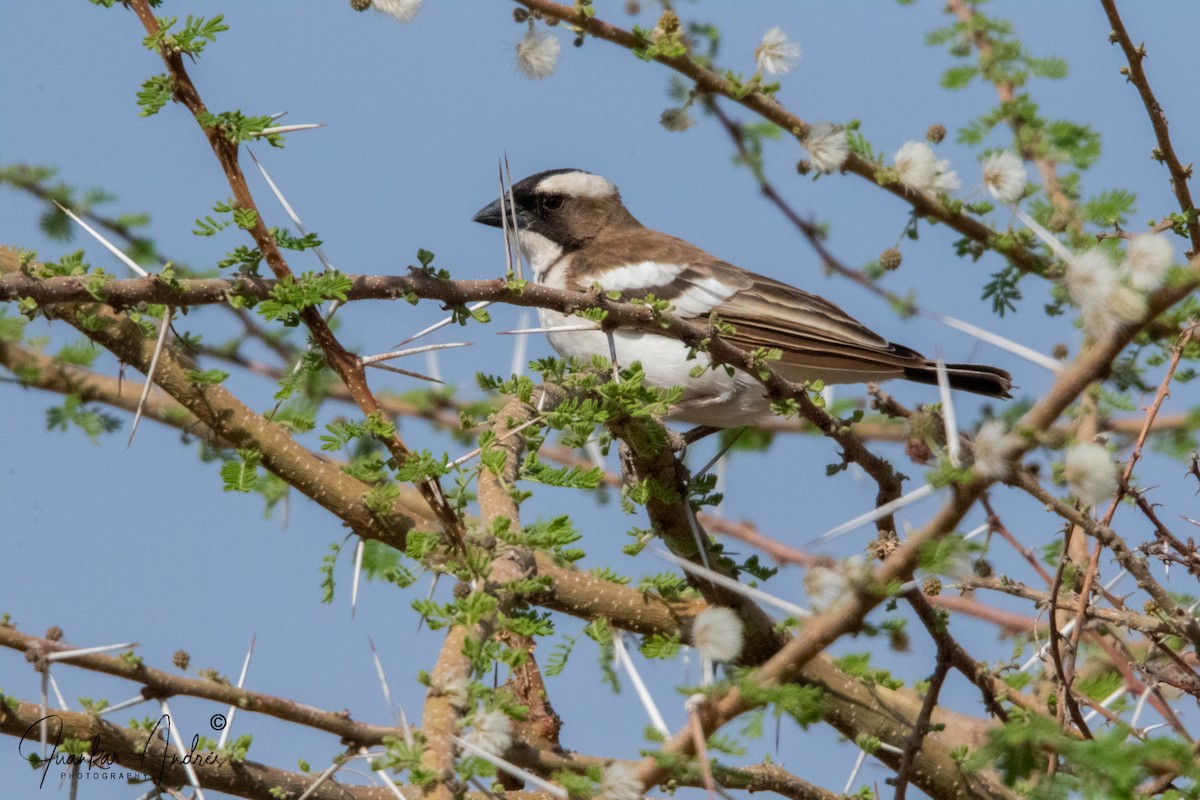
(947, 179)
(916, 166)
(1147, 260)
(1090, 280)
(775, 55)
(537, 53)
(827, 147)
(1126, 306)
(992, 448)
(620, 783)
(455, 689)
(825, 587)
(1091, 473)
(717, 633)
(1004, 176)
(676, 119)
(403, 10)
(491, 732)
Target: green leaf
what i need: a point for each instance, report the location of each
(156, 92)
(958, 77)
(242, 475)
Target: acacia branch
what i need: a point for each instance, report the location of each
(157, 683)
(234, 423)
(347, 366)
(766, 106)
(1165, 152)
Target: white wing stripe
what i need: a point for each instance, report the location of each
(643, 275)
(701, 297)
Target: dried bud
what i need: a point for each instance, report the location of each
(520, 15)
(884, 545)
(462, 589)
(360, 5)
(633, 7)
(804, 166)
(1060, 351)
(668, 24)
(932, 586)
(898, 640)
(890, 259)
(917, 450)
(935, 134)
(181, 659)
(1059, 221)
(54, 634)
(578, 42)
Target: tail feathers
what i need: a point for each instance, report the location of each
(974, 378)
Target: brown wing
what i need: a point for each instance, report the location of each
(811, 331)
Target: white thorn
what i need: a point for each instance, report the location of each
(512, 209)
(1027, 353)
(241, 681)
(1113, 582)
(434, 366)
(428, 596)
(303, 126)
(1050, 239)
(324, 776)
(121, 706)
(791, 609)
(149, 384)
(405, 372)
(295, 218)
(112, 248)
(173, 733)
(512, 769)
(383, 684)
(953, 445)
(1141, 703)
(977, 532)
(67, 655)
(62, 702)
(520, 346)
(443, 323)
(465, 458)
(1105, 703)
(697, 536)
(594, 455)
(919, 493)
(858, 762)
(358, 559)
(656, 718)
(367, 361)
(552, 329)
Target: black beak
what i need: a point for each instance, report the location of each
(492, 214)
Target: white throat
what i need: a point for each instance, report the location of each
(541, 253)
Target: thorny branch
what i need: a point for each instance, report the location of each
(1180, 175)
(348, 367)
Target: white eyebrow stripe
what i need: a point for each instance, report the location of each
(577, 184)
(701, 297)
(645, 275)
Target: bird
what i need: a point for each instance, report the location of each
(577, 234)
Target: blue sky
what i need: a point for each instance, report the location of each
(116, 544)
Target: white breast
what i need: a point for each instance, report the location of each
(715, 398)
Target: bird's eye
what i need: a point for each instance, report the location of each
(553, 202)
